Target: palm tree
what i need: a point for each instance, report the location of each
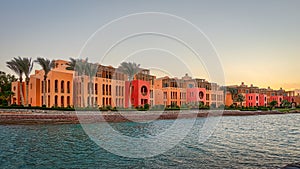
(240, 98)
(14, 65)
(47, 65)
(91, 71)
(130, 69)
(79, 66)
(26, 65)
(233, 92)
(71, 64)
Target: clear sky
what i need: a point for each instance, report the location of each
(258, 41)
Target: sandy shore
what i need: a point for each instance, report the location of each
(23, 116)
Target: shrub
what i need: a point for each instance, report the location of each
(146, 106)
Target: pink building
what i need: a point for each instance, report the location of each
(252, 100)
(196, 95)
(279, 99)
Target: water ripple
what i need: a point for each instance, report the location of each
(269, 141)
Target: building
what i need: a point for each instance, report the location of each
(109, 87)
(188, 91)
(255, 97)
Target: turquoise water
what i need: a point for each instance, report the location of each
(268, 141)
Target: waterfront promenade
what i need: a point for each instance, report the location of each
(28, 116)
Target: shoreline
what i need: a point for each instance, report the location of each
(31, 117)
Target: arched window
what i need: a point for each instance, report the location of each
(55, 100)
(48, 86)
(117, 89)
(106, 89)
(201, 95)
(96, 88)
(103, 89)
(109, 89)
(48, 101)
(62, 99)
(56, 86)
(68, 101)
(62, 86)
(144, 90)
(68, 87)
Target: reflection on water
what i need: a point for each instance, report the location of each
(239, 142)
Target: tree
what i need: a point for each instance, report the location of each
(240, 98)
(273, 104)
(79, 66)
(233, 92)
(6, 96)
(5, 87)
(286, 104)
(91, 71)
(46, 65)
(71, 64)
(130, 69)
(26, 65)
(14, 65)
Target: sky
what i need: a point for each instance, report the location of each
(251, 41)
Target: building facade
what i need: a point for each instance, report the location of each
(256, 97)
(109, 87)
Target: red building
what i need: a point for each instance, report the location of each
(140, 93)
(263, 100)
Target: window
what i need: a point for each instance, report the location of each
(106, 89)
(68, 100)
(68, 87)
(62, 101)
(103, 89)
(62, 85)
(201, 95)
(207, 96)
(56, 86)
(109, 89)
(48, 101)
(55, 100)
(213, 97)
(96, 88)
(165, 95)
(144, 90)
(48, 86)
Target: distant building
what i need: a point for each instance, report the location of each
(255, 97)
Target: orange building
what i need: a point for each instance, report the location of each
(64, 88)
